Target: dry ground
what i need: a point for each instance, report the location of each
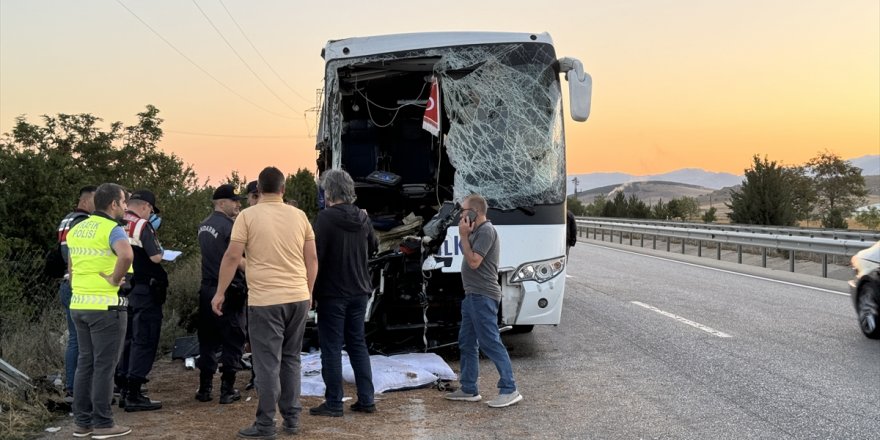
(420, 413)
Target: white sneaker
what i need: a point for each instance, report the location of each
(460, 395)
(505, 400)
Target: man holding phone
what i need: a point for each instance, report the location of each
(479, 309)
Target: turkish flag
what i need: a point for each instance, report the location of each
(431, 121)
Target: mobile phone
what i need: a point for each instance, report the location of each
(471, 216)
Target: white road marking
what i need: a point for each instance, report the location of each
(726, 271)
(569, 276)
(702, 327)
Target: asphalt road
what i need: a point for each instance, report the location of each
(650, 347)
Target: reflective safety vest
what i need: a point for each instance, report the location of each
(90, 255)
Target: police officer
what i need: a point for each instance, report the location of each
(253, 193)
(100, 254)
(84, 207)
(149, 284)
(226, 332)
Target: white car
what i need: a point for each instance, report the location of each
(865, 290)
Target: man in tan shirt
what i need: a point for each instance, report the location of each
(282, 264)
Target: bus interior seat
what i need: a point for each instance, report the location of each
(411, 155)
(360, 144)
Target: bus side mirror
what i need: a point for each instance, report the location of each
(580, 87)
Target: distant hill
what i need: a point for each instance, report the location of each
(869, 164)
(687, 176)
(649, 192)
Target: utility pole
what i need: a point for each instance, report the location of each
(576, 182)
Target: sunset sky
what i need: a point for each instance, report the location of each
(676, 83)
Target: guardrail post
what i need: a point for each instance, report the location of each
(594, 233)
(824, 265)
(654, 245)
(739, 254)
(668, 243)
(763, 257)
(603, 235)
(682, 246)
(791, 261)
(630, 238)
(641, 240)
(718, 251)
(620, 237)
(699, 248)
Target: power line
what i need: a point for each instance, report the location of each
(244, 136)
(254, 47)
(228, 44)
(242, 97)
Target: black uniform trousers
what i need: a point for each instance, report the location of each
(142, 336)
(221, 333)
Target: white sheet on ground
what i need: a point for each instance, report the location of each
(428, 361)
(389, 373)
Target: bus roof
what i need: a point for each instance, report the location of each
(367, 46)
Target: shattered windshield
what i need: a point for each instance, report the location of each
(504, 109)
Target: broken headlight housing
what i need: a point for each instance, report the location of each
(539, 271)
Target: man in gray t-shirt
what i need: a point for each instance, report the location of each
(479, 310)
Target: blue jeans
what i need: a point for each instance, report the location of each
(341, 320)
(72, 352)
(479, 331)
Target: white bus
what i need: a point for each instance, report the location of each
(422, 120)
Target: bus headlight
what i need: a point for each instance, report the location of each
(539, 271)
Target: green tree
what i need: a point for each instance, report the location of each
(302, 189)
(576, 206)
(870, 218)
(683, 208)
(765, 197)
(840, 188)
(636, 208)
(596, 208)
(709, 215)
(43, 166)
(660, 210)
(803, 192)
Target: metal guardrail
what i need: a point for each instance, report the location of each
(701, 236)
(838, 234)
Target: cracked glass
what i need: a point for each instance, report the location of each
(503, 109)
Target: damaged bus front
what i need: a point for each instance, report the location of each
(422, 120)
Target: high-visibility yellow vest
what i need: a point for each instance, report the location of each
(90, 255)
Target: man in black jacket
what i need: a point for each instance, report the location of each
(226, 332)
(344, 238)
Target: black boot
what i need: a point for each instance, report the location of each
(228, 393)
(136, 401)
(206, 379)
(121, 388)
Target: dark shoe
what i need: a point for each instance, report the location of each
(369, 409)
(290, 427)
(228, 393)
(323, 410)
(206, 380)
(256, 432)
(136, 401)
(204, 394)
(230, 396)
(111, 432)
